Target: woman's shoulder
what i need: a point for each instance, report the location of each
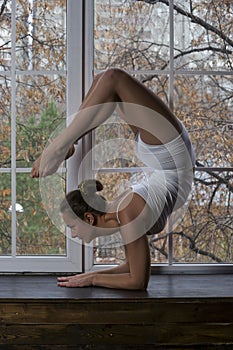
(130, 207)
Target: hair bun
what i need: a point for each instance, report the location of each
(89, 187)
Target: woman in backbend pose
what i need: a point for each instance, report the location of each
(162, 144)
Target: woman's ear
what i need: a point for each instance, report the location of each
(89, 218)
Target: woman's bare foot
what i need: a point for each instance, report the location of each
(36, 164)
(35, 167)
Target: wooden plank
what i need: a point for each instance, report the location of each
(160, 286)
(161, 334)
(115, 347)
(176, 313)
(116, 312)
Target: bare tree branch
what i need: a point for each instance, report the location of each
(197, 250)
(3, 6)
(194, 19)
(201, 49)
(222, 180)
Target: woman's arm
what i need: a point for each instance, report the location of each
(87, 277)
(122, 268)
(135, 273)
(132, 275)
(137, 278)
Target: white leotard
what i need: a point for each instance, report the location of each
(168, 182)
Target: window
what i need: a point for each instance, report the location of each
(49, 51)
(38, 47)
(183, 52)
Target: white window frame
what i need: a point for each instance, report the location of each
(72, 262)
(80, 67)
(170, 266)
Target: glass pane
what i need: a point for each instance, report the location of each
(5, 122)
(116, 182)
(36, 233)
(114, 141)
(5, 215)
(159, 248)
(114, 145)
(132, 35)
(206, 233)
(5, 36)
(156, 83)
(203, 34)
(203, 40)
(40, 109)
(204, 104)
(41, 34)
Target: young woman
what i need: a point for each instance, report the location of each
(162, 144)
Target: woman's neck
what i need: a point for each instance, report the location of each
(108, 220)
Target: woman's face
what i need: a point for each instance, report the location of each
(79, 228)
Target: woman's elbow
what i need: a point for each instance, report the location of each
(140, 284)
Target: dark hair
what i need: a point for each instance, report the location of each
(85, 199)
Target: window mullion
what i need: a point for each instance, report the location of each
(13, 128)
(171, 105)
(88, 68)
(171, 54)
(41, 72)
(73, 100)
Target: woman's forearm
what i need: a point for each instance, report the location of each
(118, 281)
(122, 268)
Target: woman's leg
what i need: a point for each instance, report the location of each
(93, 85)
(139, 107)
(115, 85)
(71, 150)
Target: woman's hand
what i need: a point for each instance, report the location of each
(81, 280)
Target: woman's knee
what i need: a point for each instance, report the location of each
(98, 76)
(114, 74)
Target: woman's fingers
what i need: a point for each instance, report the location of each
(65, 281)
(82, 280)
